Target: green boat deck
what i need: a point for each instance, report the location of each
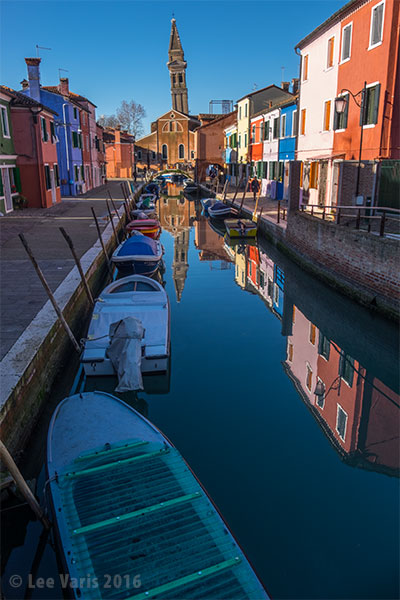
(140, 522)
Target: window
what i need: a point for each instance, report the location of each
(192, 154)
(4, 122)
(320, 399)
(324, 346)
(329, 57)
(294, 123)
(139, 155)
(245, 110)
(376, 33)
(261, 279)
(369, 115)
(56, 175)
(253, 134)
(305, 67)
(340, 119)
(313, 333)
(52, 132)
(240, 112)
(303, 122)
(309, 378)
(290, 352)
(82, 173)
(164, 152)
(341, 422)
(245, 140)
(181, 151)
(180, 78)
(80, 141)
(346, 42)
(346, 368)
(173, 79)
(314, 175)
(327, 115)
(47, 177)
(153, 155)
(240, 141)
(272, 169)
(283, 126)
(76, 170)
(45, 136)
(275, 134)
(171, 126)
(75, 141)
(75, 113)
(266, 130)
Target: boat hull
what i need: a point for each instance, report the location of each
(247, 229)
(150, 364)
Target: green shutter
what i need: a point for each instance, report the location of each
(17, 179)
(375, 107)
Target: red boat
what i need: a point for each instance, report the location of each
(149, 227)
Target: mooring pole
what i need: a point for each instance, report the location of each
(101, 240)
(21, 484)
(224, 190)
(78, 264)
(236, 190)
(112, 222)
(50, 293)
(244, 194)
(116, 210)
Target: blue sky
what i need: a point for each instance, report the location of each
(118, 50)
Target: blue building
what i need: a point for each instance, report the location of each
(287, 142)
(67, 125)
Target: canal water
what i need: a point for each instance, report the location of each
(307, 482)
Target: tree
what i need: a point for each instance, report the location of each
(130, 115)
(108, 121)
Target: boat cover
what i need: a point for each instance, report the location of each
(138, 245)
(125, 352)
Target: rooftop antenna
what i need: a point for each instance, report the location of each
(59, 72)
(41, 48)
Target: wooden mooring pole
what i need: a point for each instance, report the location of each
(78, 264)
(112, 222)
(244, 194)
(49, 293)
(116, 210)
(8, 462)
(236, 190)
(101, 241)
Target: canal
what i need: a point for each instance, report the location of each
(307, 482)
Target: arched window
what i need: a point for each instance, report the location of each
(171, 126)
(181, 151)
(164, 151)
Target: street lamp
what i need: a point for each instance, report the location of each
(320, 388)
(340, 107)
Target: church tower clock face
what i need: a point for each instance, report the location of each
(177, 70)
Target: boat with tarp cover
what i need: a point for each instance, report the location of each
(129, 513)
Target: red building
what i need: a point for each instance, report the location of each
(369, 49)
(86, 151)
(210, 142)
(101, 154)
(256, 146)
(120, 152)
(35, 142)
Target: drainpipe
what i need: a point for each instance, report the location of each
(66, 142)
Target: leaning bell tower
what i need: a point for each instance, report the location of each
(177, 70)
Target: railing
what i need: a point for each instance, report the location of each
(382, 220)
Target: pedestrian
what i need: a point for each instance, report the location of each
(255, 187)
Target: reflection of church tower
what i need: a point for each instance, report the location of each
(180, 263)
(177, 67)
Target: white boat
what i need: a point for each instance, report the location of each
(219, 210)
(140, 298)
(128, 510)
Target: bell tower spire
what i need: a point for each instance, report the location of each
(177, 70)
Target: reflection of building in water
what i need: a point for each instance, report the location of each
(267, 278)
(360, 416)
(210, 245)
(175, 215)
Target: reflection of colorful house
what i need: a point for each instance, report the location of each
(211, 246)
(279, 284)
(359, 416)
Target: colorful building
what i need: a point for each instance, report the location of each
(119, 152)
(9, 181)
(37, 157)
(287, 140)
(210, 143)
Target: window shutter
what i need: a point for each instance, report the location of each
(377, 18)
(346, 112)
(376, 102)
(336, 120)
(363, 109)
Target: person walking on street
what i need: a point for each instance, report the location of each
(255, 187)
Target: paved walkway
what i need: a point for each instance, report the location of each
(22, 294)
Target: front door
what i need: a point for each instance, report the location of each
(335, 183)
(53, 187)
(5, 177)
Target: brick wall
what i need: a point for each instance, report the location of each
(364, 262)
(348, 181)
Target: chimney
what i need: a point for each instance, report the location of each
(34, 77)
(25, 84)
(295, 85)
(63, 86)
(285, 85)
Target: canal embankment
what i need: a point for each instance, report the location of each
(31, 363)
(361, 265)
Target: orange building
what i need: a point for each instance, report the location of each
(369, 47)
(210, 142)
(119, 152)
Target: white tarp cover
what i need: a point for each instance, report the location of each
(125, 353)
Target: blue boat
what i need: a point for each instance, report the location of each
(219, 210)
(139, 255)
(153, 188)
(132, 520)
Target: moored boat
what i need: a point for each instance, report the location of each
(219, 210)
(241, 228)
(138, 254)
(149, 227)
(135, 296)
(128, 510)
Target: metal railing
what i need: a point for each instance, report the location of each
(382, 220)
